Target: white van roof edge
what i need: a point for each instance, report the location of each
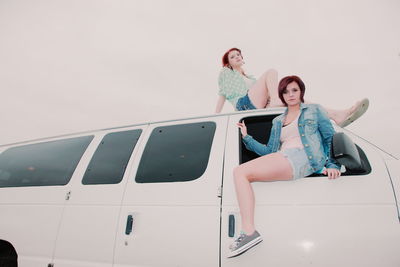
(273, 111)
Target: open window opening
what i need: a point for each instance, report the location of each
(347, 153)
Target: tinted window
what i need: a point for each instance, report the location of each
(111, 158)
(176, 153)
(42, 164)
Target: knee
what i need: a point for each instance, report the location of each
(236, 171)
(271, 73)
(239, 173)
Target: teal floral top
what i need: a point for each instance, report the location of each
(232, 85)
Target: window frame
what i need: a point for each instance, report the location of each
(150, 151)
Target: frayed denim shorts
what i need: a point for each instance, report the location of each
(298, 160)
(244, 103)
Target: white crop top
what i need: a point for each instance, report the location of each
(290, 137)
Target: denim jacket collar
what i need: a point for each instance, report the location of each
(283, 115)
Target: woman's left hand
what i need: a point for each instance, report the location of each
(332, 173)
(243, 128)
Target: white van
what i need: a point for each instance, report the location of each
(161, 194)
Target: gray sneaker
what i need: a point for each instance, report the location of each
(243, 243)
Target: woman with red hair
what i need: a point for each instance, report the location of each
(299, 145)
(245, 92)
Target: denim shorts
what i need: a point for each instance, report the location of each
(298, 159)
(244, 103)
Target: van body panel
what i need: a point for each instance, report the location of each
(349, 221)
(349, 189)
(31, 217)
(31, 229)
(315, 220)
(393, 166)
(168, 235)
(320, 235)
(87, 236)
(198, 192)
(89, 225)
(176, 221)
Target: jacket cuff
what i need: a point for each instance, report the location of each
(247, 139)
(332, 166)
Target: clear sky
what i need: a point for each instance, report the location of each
(76, 65)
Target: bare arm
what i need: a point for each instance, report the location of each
(220, 104)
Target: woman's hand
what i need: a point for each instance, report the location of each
(332, 173)
(243, 128)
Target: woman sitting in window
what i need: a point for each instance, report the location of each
(299, 145)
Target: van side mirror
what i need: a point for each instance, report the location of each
(345, 152)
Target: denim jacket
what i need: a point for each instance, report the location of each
(316, 132)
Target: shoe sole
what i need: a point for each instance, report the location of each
(246, 247)
(361, 109)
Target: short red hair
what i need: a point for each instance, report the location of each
(286, 81)
(225, 59)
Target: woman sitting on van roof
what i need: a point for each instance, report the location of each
(299, 145)
(244, 92)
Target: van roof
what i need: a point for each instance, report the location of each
(263, 111)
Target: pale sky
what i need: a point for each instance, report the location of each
(68, 66)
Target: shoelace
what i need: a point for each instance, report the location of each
(237, 241)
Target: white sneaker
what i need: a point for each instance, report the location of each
(243, 243)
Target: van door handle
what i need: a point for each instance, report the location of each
(129, 225)
(231, 225)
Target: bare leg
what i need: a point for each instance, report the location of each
(272, 167)
(265, 90)
(340, 115)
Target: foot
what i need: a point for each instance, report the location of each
(353, 113)
(243, 243)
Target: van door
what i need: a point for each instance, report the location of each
(33, 187)
(349, 221)
(89, 224)
(171, 209)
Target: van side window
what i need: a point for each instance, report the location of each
(42, 164)
(176, 153)
(111, 158)
(260, 127)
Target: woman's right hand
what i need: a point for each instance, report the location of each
(243, 128)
